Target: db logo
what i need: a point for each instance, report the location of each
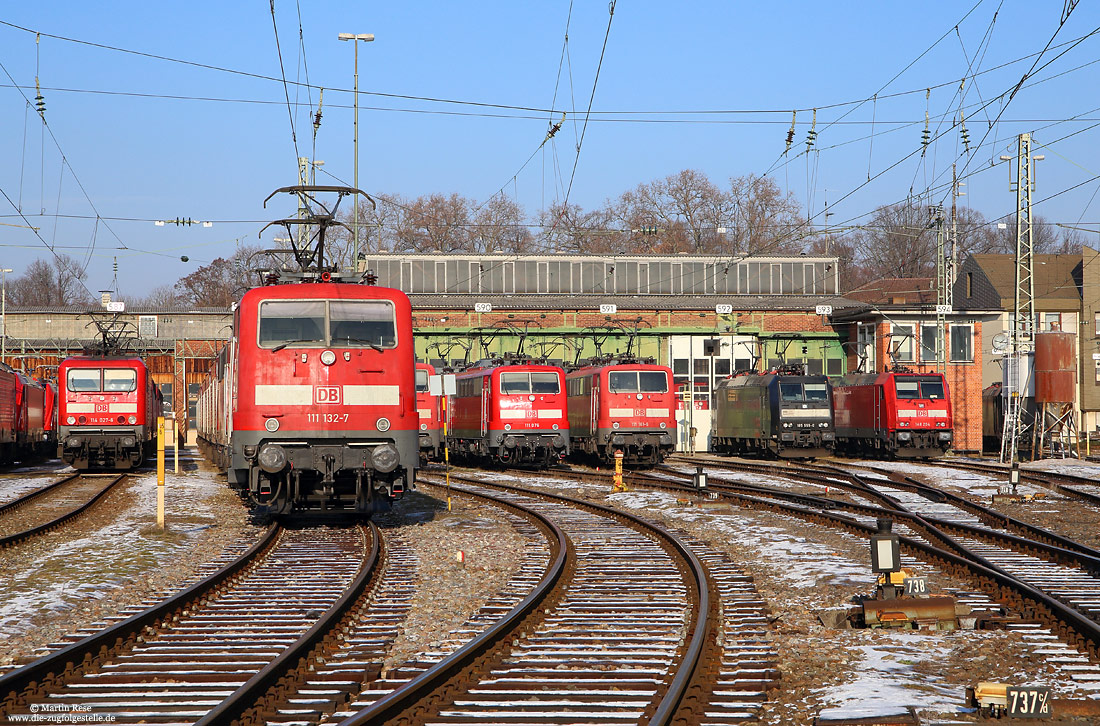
(326, 394)
(102, 408)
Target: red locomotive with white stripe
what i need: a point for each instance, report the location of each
(107, 409)
(312, 406)
(896, 414)
(510, 411)
(429, 410)
(626, 406)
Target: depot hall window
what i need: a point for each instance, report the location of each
(901, 343)
(962, 343)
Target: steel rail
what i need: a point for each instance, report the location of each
(408, 695)
(237, 707)
(18, 537)
(701, 626)
(56, 668)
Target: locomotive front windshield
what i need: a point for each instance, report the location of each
(911, 388)
(637, 382)
(421, 381)
(101, 380)
(344, 323)
(518, 383)
(794, 391)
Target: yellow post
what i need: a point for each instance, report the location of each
(176, 444)
(160, 472)
(618, 485)
(446, 453)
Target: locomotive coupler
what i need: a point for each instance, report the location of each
(329, 481)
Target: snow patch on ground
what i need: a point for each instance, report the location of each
(12, 489)
(886, 677)
(54, 577)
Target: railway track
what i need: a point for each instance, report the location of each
(53, 505)
(1069, 485)
(214, 648)
(1043, 577)
(622, 636)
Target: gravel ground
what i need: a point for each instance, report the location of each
(801, 569)
(114, 557)
(450, 592)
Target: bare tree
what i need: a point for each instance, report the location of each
(765, 220)
(55, 283)
(162, 297)
(499, 225)
(222, 282)
(571, 229)
(434, 223)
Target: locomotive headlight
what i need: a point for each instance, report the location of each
(615, 424)
(70, 420)
(272, 425)
(127, 441)
(132, 420)
(507, 427)
(328, 357)
(664, 425)
(555, 427)
(384, 458)
(382, 424)
(509, 442)
(272, 458)
(423, 427)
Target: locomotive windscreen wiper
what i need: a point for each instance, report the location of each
(371, 343)
(280, 346)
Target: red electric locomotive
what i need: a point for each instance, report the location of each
(511, 411)
(313, 404)
(624, 405)
(430, 413)
(107, 410)
(899, 414)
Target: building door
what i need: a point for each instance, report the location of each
(698, 363)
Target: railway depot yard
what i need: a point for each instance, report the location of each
(112, 561)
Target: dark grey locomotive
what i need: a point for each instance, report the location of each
(774, 414)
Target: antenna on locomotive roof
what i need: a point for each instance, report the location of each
(309, 250)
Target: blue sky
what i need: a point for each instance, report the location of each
(703, 85)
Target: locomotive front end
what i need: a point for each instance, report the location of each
(325, 408)
(101, 413)
(804, 417)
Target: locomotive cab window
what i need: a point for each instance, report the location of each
(83, 380)
(362, 322)
(907, 389)
(790, 391)
(291, 322)
(421, 381)
(637, 382)
(932, 389)
(520, 383)
(346, 323)
(119, 380)
(816, 392)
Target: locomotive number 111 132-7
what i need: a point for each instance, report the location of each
(326, 417)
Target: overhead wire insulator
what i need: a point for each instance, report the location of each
(811, 137)
(926, 135)
(790, 134)
(964, 133)
(39, 100)
(317, 116)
